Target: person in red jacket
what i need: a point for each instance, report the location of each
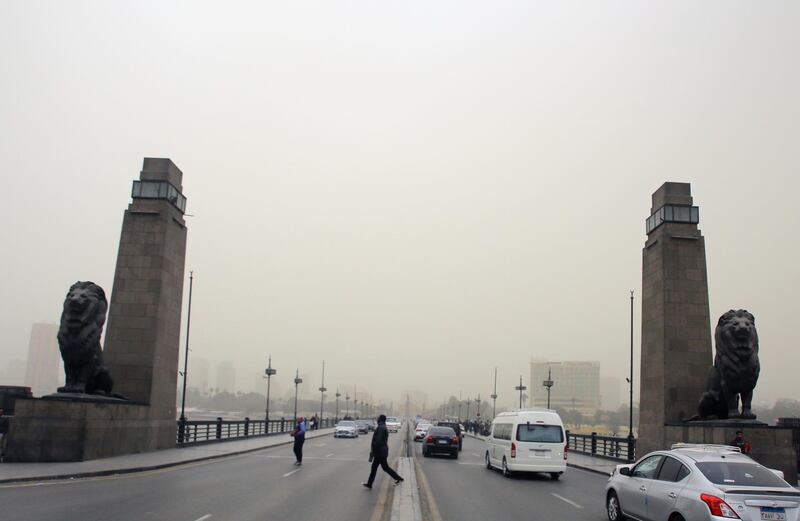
(740, 442)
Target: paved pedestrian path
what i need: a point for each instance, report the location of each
(16, 472)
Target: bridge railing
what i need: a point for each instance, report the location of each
(611, 447)
(194, 432)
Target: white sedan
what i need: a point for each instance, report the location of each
(421, 431)
(346, 429)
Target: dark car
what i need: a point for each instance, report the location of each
(456, 427)
(363, 426)
(440, 440)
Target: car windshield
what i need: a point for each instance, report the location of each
(423, 426)
(740, 474)
(346, 424)
(391, 420)
(442, 431)
(539, 433)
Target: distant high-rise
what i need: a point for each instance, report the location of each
(42, 371)
(198, 374)
(576, 385)
(226, 377)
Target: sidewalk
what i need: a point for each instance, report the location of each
(581, 461)
(19, 472)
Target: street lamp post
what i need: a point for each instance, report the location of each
(338, 394)
(520, 388)
(494, 396)
(346, 403)
(478, 401)
(548, 383)
(297, 381)
(459, 406)
(182, 427)
(468, 400)
(269, 372)
(630, 382)
(322, 390)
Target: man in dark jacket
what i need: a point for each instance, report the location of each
(380, 453)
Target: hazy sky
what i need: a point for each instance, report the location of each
(416, 192)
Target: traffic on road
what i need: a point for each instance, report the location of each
(459, 475)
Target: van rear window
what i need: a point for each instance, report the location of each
(538, 433)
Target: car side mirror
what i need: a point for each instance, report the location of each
(625, 471)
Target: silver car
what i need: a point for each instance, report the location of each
(699, 482)
(346, 429)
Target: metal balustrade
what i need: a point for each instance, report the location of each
(611, 447)
(195, 432)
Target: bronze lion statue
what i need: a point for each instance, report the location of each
(735, 370)
(79, 340)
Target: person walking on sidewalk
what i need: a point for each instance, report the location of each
(379, 454)
(299, 434)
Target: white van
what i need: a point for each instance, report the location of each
(529, 440)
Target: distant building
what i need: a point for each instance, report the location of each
(198, 374)
(226, 377)
(576, 385)
(415, 399)
(44, 359)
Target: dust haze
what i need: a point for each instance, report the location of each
(415, 192)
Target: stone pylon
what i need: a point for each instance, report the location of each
(676, 329)
(144, 319)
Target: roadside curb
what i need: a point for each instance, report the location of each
(588, 469)
(133, 470)
(405, 500)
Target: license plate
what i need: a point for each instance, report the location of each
(541, 453)
(773, 514)
(442, 442)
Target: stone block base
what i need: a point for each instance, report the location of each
(772, 446)
(49, 430)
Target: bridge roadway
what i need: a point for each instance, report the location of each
(266, 485)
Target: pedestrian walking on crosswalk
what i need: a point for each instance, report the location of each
(379, 454)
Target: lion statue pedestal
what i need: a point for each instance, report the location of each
(85, 419)
(732, 378)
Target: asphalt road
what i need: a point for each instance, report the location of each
(266, 485)
(464, 490)
(256, 486)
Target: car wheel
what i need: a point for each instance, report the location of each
(488, 461)
(424, 453)
(555, 475)
(455, 455)
(612, 507)
(506, 472)
(677, 517)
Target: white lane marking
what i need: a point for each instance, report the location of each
(329, 455)
(320, 444)
(295, 471)
(476, 464)
(565, 500)
(476, 454)
(207, 516)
